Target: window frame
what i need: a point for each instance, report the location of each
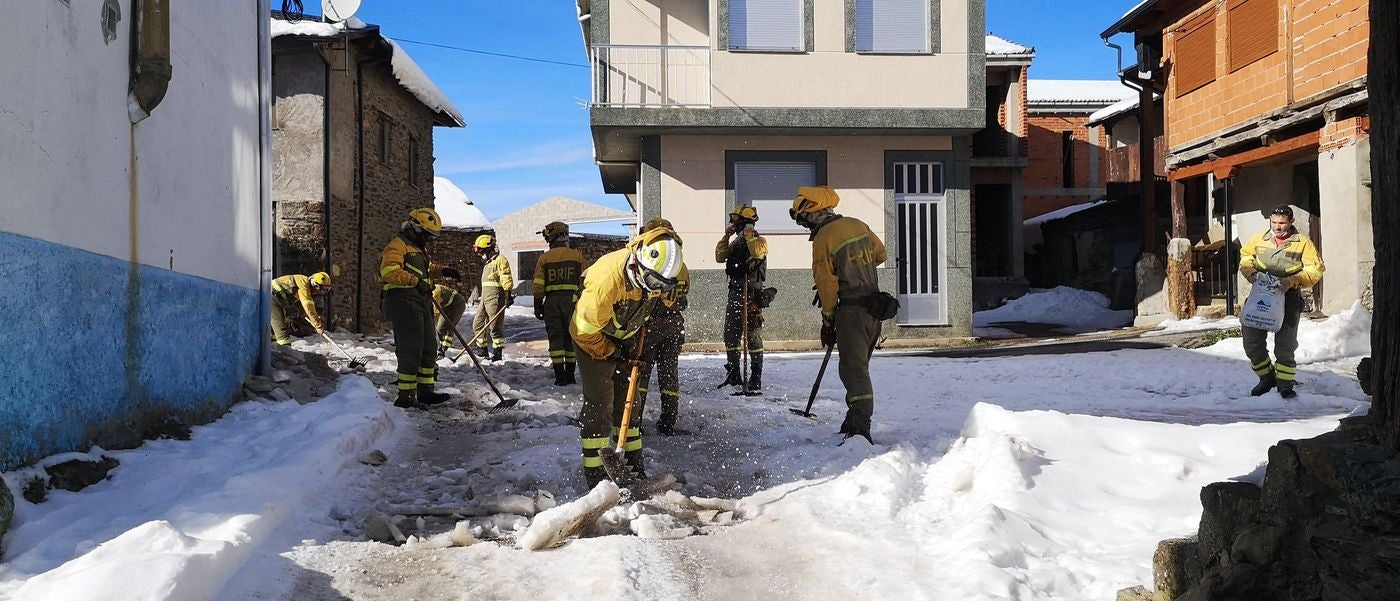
(1237, 55)
(770, 224)
(725, 42)
(414, 161)
(931, 31)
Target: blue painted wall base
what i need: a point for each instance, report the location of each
(94, 353)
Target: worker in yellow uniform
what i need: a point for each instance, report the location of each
(453, 304)
(619, 293)
(745, 257)
(558, 279)
(497, 293)
(293, 296)
(665, 336)
(844, 256)
(1283, 253)
(405, 273)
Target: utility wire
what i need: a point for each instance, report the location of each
(500, 54)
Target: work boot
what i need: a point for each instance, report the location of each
(731, 375)
(594, 475)
(670, 429)
(849, 435)
(569, 372)
(426, 395)
(407, 399)
(561, 377)
(496, 354)
(1285, 389)
(756, 375)
(1266, 383)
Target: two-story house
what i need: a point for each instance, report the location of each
(352, 137)
(701, 105)
(1264, 103)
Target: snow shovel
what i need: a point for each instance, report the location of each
(505, 403)
(807, 413)
(486, 328)
(613, 457)
(355, 362)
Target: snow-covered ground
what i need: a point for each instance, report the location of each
(1075, 310)
(1030, 477)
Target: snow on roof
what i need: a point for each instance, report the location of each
(413, 79)
(1031, 234)
(1002, 46)
(407, 72)
(1077, 91)
(1113, 110)
(455, 207)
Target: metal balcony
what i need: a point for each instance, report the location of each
(650, 76)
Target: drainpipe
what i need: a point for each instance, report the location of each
(150, 56)
(1147, 167)
(264, 184)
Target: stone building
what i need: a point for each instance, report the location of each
(352, 121)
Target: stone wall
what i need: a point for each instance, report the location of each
(453, 248)
(298, 153)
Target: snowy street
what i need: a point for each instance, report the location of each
(1019, 477)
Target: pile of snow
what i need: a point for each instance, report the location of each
(455, 207)
(1001, 46)
(178, 517)
(306, 27)
(1344, 335)
(413, 79)
(1076, 310)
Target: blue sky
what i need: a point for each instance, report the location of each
(527, 132)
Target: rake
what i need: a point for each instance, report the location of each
(355, 362)
(807, 413)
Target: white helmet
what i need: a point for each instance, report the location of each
(656, 260)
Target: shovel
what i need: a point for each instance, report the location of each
(356, 363)
(613, 458)
(807, 413)
(505, 403)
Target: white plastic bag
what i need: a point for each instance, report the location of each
(1264, 307)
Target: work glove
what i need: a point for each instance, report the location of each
(828, 332)
(510, 299)
(539, 312)
(424, 286)
(625, 359)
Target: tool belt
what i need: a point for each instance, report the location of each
(881, 305)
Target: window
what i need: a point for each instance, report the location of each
(770, 187)
(383, 138)
(1194, 66)
(1067, 158)
(766, 25)
(893, 26)
(1252, 31)
(413, 161)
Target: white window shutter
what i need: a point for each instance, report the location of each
(766, 25)
(892, 26)
(769, 188)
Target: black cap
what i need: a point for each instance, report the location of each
(1284, 210)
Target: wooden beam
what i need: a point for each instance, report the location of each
(1228, 165)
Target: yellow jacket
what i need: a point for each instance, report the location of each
(844, 256)
(610, 308)
(758, 247)
(676, 300)
(559, 268)
(1297, 262)
(445, 296)
(401, 264)
(496, 274)
(297, 288)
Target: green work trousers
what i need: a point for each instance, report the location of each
(492, 299)
(734, 326)
(604, 399)
(558, 309)
(665, 335)
(450, 317)
(415, 345)
(1256, 343)
(856, 333)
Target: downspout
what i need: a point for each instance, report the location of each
(150, 57)
(264, 184)
(1147, 164)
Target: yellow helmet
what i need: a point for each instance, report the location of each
(657, 260)
(813, 199)
(744, 212)
(321, 279)
(555, 229)
(661, 223)
(483, 242)
(427, 219)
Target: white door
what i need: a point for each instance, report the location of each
(922, 247)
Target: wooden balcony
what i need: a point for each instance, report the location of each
(1125, 165)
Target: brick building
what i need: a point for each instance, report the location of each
(1264, 102)
(352, 121)
(1067, 164)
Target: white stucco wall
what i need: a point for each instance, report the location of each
(67, 141)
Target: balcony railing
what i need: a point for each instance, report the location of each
(651, 76)
(1125, 163)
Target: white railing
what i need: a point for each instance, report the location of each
(651, 76)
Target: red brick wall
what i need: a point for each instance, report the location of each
(1043, 179)
(1323, 46)
(1344, 133)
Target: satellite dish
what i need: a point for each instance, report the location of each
(336, 11)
